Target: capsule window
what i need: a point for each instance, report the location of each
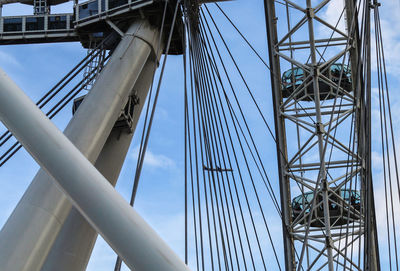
(88, 9)
(12, 24)
(34, 23)
(116, 3)
(57, 22)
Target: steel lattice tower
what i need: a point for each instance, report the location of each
(323, 135)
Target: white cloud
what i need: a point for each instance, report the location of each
(8, 59)
(376, 160)
(390, 24)
(332, 14)
(155, 160)
(107, 260)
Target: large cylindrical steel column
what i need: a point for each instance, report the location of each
(74, 244)
(29, 233)
(106, 210)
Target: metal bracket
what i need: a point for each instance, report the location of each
(324, 185)
(374, 5)
(319, 127)
(315, 70)
(116, 29)
(310, 13)
(329, 242)
(218, 169)
(125, 120)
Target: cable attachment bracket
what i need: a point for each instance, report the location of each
(125, 120)
(374, 5)
(319, 127)
(217, 169)
(310, 13)
(328, 242)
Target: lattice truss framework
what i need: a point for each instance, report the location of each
(320, 136)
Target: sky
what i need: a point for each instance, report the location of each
(36, 68)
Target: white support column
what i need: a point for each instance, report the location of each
(74, 244)
(32, 228)
(95, 198)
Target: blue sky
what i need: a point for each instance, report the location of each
(36, 68)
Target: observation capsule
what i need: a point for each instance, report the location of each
(300, 81)
(342, 210)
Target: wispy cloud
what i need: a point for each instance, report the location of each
(107, 261)
(155, 160)
(8, 59)
(390, 25)
(333, 15)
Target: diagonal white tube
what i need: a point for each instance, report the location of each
(105, 209)
(35, 223)
(74, 243)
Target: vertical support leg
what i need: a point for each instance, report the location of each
(284, 183)
(322, 180)
(74, 244)
(95, 198)
(372, 262)
(32, 228)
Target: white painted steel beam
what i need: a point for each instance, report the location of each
(95, 198)
(74, 244)
(32, 228)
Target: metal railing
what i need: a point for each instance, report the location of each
(36, 23)
(84, 13)
(100, 9)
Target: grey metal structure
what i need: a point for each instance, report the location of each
(55, 224)
(94, 19)
(95, 198)
(321, 106)
(322, 133)
(74, 253)
(44, 207)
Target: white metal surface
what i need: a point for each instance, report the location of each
(106, 210)
(29, 233)
(74, 244)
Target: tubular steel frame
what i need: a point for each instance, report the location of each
(322, 143)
